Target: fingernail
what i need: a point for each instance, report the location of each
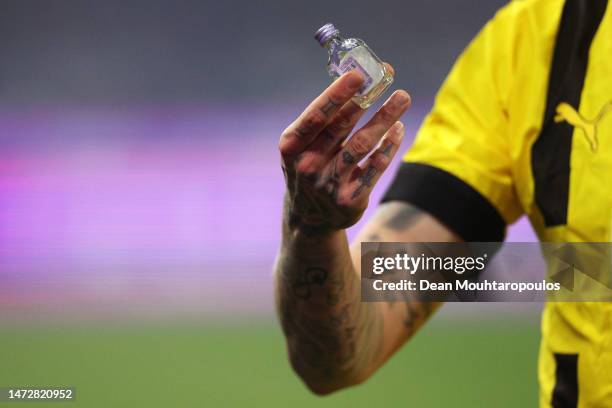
(401, 98)
(398, 127)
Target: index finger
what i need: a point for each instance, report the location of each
(316, 116)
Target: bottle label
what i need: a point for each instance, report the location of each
(350, 63)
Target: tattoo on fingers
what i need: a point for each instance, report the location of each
(328, 138)
(332, 181)
(311, 122)
(365, 181)
(387, 149)
(348, 158)
(329, 107)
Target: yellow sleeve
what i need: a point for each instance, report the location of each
(463, 143)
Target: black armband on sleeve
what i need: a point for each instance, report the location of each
(449, 199)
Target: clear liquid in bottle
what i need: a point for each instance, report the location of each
(352, 53)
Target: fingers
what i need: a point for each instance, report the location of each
(336, 132)
(377, 163)
(317, 115)
(340, 126)
(366, 138)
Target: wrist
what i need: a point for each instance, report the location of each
(306, 232)
(315, 246)
(307, 226)
(297, 232)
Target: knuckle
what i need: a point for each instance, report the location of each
(386, 115)
(344, 121)
(283, 145)
(288, 147)
(342, 95)
(344, 203)
(360, 144)
(288, 139)
(306, 165)
(379, 161)
(314, 120)
(336, 96)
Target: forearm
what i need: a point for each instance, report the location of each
(332, 337)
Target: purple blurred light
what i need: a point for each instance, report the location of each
(164, 206)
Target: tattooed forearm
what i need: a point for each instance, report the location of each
(334, 339)
(394, 217)
(417, 313)
(302, 285)
(331, 335)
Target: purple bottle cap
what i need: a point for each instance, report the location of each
(325, 33)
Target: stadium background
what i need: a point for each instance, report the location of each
(140, 200)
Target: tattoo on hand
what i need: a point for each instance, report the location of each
(329, 107)
(348, 158)
(332, 182)
(387, 150)
(366, 181)
(328, 138)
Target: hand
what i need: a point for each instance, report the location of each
(327, 189)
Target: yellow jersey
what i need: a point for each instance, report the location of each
(523, 125)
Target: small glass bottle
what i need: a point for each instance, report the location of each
(353, 53)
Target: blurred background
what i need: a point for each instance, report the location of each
(140, 201)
